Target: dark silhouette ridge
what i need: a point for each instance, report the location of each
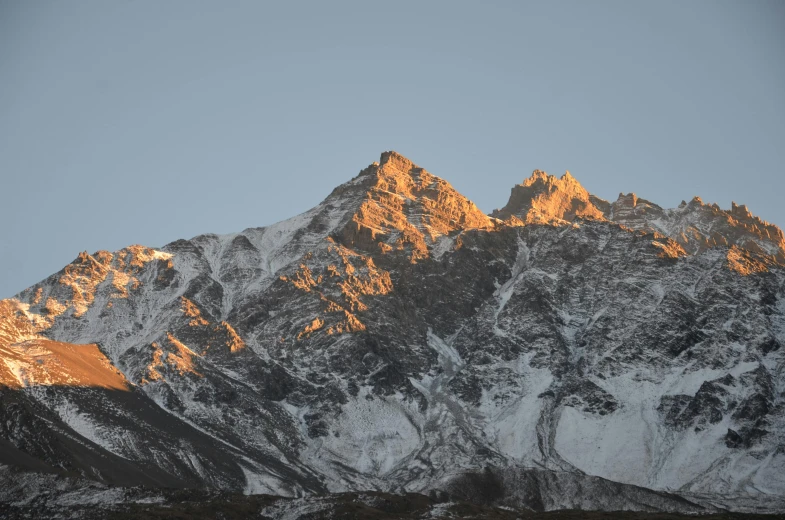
(36, 439)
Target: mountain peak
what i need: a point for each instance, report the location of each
(389, 161)
(536, 176)
(541, 176)
(391, 164)
(547, 198)
(393, 157)
(407, 208)
(697, 225)
(740, 211)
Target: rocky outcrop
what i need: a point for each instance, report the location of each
(544, 198)
(695, 226)
(407, 209)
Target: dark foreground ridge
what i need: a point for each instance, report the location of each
(211, 505)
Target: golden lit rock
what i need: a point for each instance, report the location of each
(745, 263)
(190, 309)
(407, 209)
(233, 341)
(183, 358)
(546, 199)
(42, 362)
(315, 325)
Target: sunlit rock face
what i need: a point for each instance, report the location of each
(543, 198)
(396, 338)
(695, 226)
(407, 208)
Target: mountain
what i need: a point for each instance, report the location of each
(562, 352)
(543, 198)
(696, 226)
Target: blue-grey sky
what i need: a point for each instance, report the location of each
(141, 121)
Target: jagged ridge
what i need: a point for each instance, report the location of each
(696, 226)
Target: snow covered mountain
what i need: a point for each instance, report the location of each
(564, 352)
(695, 226)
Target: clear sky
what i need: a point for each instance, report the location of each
(144, 121)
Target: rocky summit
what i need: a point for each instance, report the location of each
(395, 345)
